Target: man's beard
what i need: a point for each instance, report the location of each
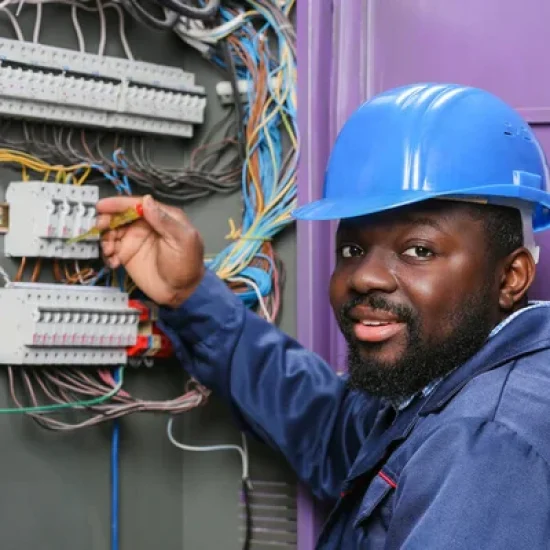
(425, 359)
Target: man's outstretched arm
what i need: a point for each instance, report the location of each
(286, 395)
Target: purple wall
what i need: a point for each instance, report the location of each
(351, 49)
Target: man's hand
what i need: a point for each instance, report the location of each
(162, 252)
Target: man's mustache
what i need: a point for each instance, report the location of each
(403, 313)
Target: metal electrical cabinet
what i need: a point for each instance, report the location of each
(55, 487)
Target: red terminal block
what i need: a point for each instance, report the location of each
(151, 341)
(144, 312)
(166, 349)
(140, 348)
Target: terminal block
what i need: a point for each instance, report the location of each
(51, 324)
(43, 216)
(68, 61)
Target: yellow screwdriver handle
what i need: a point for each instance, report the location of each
(94, 232)
(118, 220)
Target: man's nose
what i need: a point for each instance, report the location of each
(373, 273)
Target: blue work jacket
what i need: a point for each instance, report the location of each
(465, 468)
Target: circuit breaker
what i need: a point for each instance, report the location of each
(47, 83)
(43, 216)
(52, 324)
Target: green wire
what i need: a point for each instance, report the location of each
(74, 405)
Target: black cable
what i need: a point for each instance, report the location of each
(233, 79)
(247, 513)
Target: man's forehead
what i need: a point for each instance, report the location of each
(434, 213)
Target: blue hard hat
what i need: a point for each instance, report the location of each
(428, 141)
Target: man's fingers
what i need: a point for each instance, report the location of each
(117, 205)
(108, 247)
(113, 262)
(102, 221)
(165, 220)
(174, 212)
(160, 216)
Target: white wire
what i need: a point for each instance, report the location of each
(79, 3)
(256, 289)
(37, 24)
(103, 29)
(85, 5)
(15, 24)
(195, 29)
(5, 276)
(19, 6)
(243, 451)
(79, 273)
(78, 29)
(122, 30)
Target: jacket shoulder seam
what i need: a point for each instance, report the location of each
(502, 390)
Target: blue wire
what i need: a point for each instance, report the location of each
(115, 436)
(115, 459)
(270, 178)
(115, 441)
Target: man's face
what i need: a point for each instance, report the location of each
(414, 295)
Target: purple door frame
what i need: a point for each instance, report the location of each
(314, 24)
(331, 47)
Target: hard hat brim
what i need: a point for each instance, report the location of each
(354, 207)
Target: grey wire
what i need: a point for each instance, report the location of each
(203, 13)
(141, 15)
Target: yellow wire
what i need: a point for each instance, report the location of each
(236, 257)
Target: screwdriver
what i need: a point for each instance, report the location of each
(118, 220)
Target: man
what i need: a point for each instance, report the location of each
(440, 436)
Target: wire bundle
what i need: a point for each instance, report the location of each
(95, 393)
(214, 167)
(257, 46)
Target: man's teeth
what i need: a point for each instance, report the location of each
(374, 323)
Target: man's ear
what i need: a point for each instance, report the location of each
(518, 273)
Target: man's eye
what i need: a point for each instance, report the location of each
(350, 251)
(418, 252)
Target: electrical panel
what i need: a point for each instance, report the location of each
(43, 216)
(58, 85)
(51, 324)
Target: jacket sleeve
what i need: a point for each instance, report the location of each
(472, 487)
(287, 396)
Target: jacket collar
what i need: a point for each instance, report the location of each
(515, 340)
(512, 342)
(402, 404)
